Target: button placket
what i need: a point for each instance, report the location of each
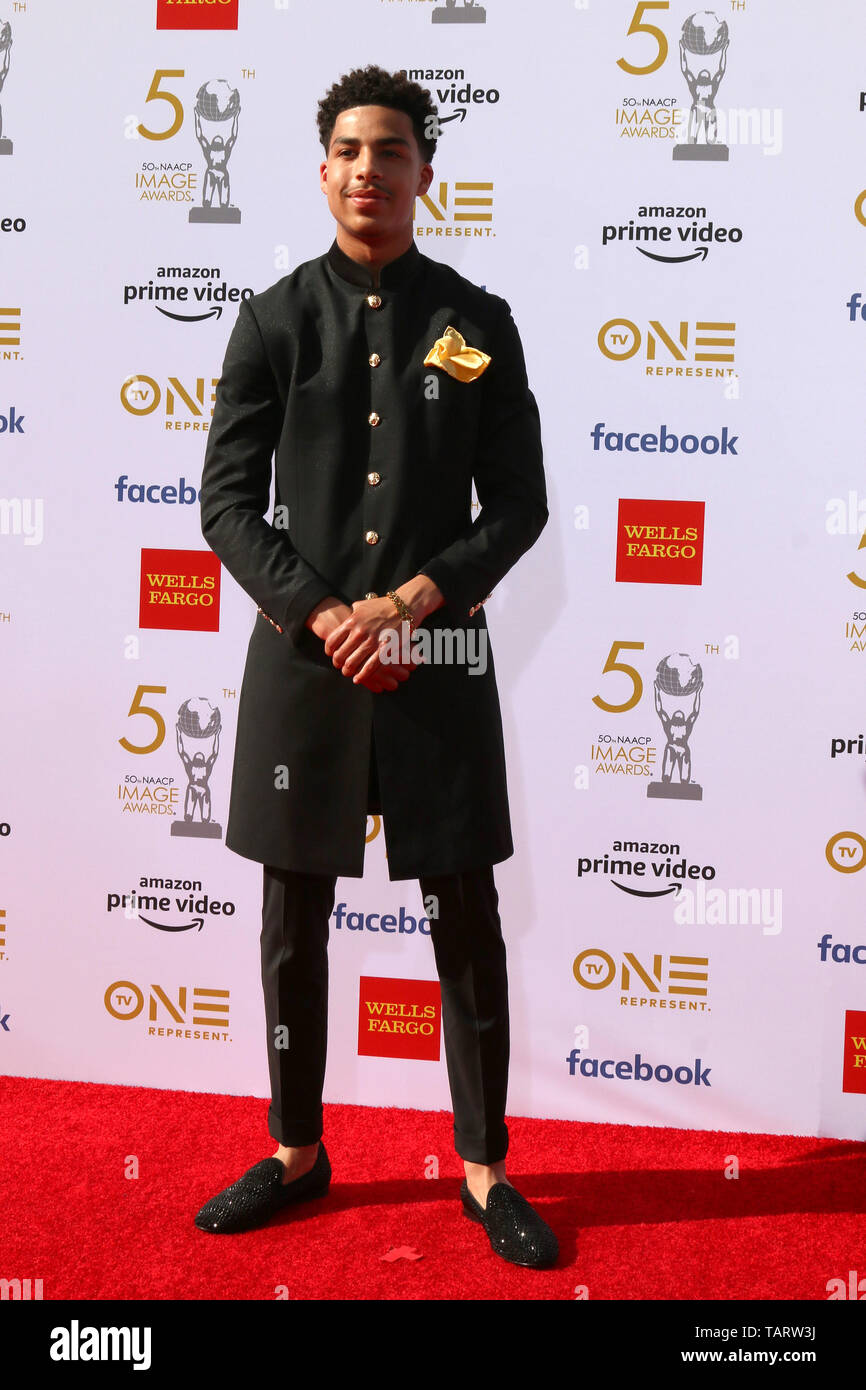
(374, 420)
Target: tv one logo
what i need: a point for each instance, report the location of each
(686, 979)
(707, 341)
(846, 852)
(475, 196)
(196, 14)
(167, 1017)
(187, 407)
(10, 335)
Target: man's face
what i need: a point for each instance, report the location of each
(374, 172)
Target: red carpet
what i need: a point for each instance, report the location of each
(640, 1213)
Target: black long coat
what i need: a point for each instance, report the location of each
(300, 381)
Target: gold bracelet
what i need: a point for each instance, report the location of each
(404, 612)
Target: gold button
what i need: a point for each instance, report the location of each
(374, 301)
(373, 418)
(371, 596)
(374, 359)
(373, 479)
(372, 538)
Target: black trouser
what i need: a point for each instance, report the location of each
(470, 960)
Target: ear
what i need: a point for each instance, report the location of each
(323, 177)
(425, 178)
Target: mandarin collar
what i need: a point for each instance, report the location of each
(396, 272)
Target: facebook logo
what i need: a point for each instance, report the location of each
(665, 442)
(183, 493)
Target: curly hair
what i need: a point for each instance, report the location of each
(373, 86)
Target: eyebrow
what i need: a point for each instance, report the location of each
(386, 140)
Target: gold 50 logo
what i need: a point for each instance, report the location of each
(696, 126)
(197, 730)
(854, 577)
(677, 691)
(216, 113)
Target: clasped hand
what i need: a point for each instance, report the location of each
(355, 645)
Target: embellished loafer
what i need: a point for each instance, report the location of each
(260, 1193)
(514, 1230)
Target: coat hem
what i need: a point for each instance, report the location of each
(292, 865)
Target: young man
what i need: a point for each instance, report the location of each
(385, 383)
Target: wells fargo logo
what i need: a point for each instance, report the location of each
(854, 1066)
(196, 14)
(399, 1018)
(180, 589)
(195, 1013)
(659, 542)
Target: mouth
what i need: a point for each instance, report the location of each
(366, 197)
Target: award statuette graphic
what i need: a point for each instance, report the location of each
(217, 107)
(5, 46)
(198, 741)
(467, 12)
(704, 35)
(677, 687)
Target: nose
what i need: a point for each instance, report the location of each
(367, 165)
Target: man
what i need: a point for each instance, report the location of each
(385, 383)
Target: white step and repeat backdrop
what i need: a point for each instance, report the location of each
(673, 204)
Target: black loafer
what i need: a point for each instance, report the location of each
(514, 1230)
(260, 1193)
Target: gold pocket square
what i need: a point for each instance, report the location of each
(452, 353)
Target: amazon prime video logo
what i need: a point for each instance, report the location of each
(168, 904)
(671, 233)
(646, 868)
(186, 293)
